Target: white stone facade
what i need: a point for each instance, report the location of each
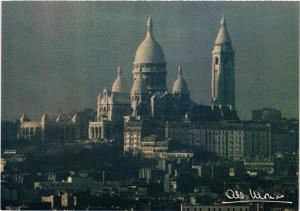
(223, 75)
(58, 128)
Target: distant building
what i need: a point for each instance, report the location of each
(151, 102)
(266, 114)
(285, 136)
(145, 173)
(287, 164)
(254, 166)
(136, 142)
(111, 107)
(72, 184)
(143, 111)
(135, 129)
(232, 140)
(60, 128)
(62, 200)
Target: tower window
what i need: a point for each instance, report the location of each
(216, 60)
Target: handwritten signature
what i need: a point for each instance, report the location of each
(253, 196)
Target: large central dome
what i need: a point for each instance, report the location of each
(149, 50)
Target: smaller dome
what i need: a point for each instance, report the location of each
(118, 85)
(180, 86)
(223, 35)
(75, 118)
(139, 85)
(44, 118)
(60, 118)
(24, 118)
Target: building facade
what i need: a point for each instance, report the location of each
(223, 79)
(61, 127)
(233, 140)
(266, 114)
(151, 101)
(112, 105)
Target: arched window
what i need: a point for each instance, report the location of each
(93, 132)
(97, 132)
(100, 132)
(216, 60)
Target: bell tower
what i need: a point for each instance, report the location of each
(223, 79)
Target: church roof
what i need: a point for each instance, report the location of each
(223, 35)
(180, 85)
(118, 85)
(212, 113)
(149, 51)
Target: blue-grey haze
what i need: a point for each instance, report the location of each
(59, 55)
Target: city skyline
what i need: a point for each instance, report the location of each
(69, 65)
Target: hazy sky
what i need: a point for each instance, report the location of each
(62, 54)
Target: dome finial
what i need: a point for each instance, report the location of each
(149, 51)
(119, 70)
(179, 70)
(149, 26)
(223, 21)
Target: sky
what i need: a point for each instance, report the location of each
(58, 56)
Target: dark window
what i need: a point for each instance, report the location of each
(216, 60)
